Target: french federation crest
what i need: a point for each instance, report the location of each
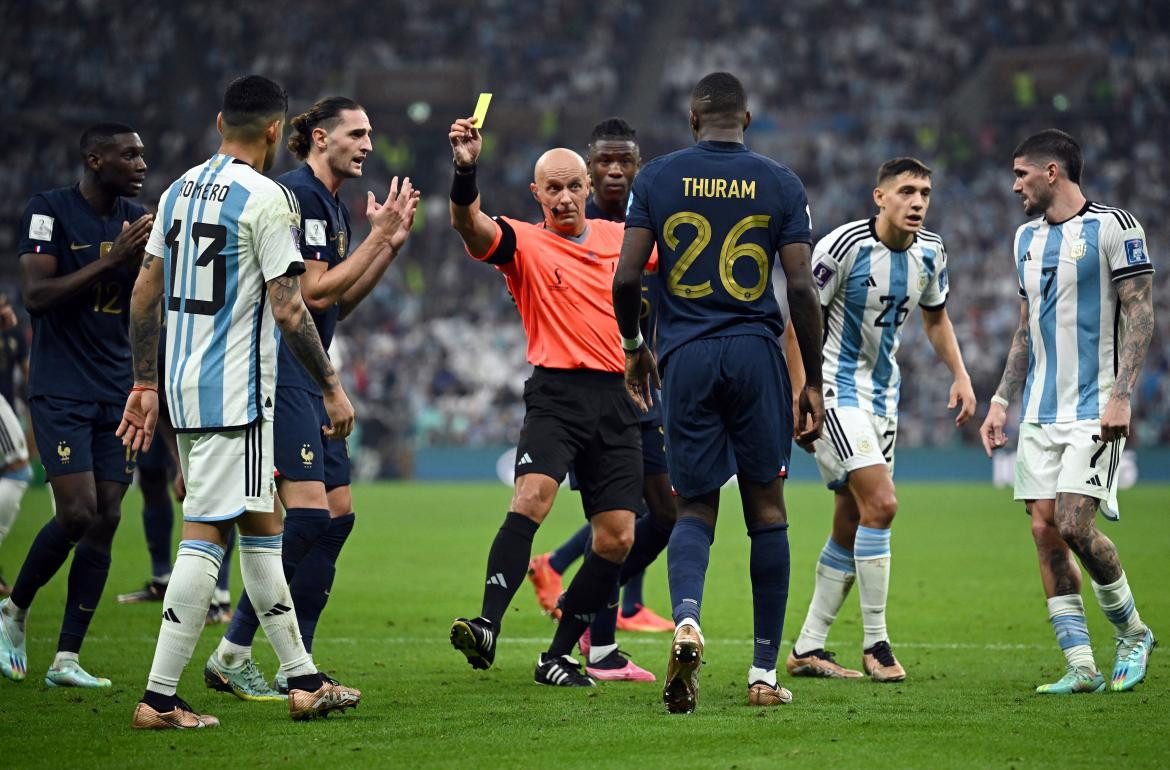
(105, 247)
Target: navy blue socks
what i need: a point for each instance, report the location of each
(87, 579)
(314, 578)
(592, 586)
(687, 556)
(158, 521)
(770, 568)
(49, 551)
(570, 550)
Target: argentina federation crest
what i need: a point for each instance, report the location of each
(923, 279)
(1078, 249)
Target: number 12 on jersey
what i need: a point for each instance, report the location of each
(729, 254)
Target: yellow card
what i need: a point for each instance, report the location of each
(481, 108)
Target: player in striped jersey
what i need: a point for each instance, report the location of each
(870, 274)
(225, 244)
(15, 472)
(1086, 319)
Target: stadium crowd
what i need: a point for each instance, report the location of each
(436, 356)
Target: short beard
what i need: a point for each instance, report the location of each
(1039, 207)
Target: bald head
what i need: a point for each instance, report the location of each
(561, 187)
(560, 162)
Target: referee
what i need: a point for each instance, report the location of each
(577, 410)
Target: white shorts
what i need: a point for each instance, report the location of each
(1068, 457)
(227, 473)
(13, 448)
(853, 438)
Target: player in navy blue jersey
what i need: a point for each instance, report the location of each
(613, 158)
(80, 249)
(720, 214)
(333, 138)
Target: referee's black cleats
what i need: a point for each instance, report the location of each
(562, 671)
(476, 639)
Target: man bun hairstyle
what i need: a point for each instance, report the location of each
(100, 135)
(1052, 144)
(325, 113)
(902, 165)
(719, 94)
(251, 101)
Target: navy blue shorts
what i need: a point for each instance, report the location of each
(78, 437)
(727, 409)
(303, 453)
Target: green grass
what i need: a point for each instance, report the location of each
(967, 616)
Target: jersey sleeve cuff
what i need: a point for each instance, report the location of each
(933, 308)
(1131, 271)
(491, 249)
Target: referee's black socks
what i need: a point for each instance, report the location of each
(507, 565)
(591, 588)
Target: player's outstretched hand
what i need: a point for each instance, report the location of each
(811, 417)
(642, 377)
(131, 242)
(1115, 419)
(139, 419)
(466, 142)
(340, 413)
(962, 396)
(395, 217)
(991, 431)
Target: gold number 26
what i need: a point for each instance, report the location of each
(728, 255)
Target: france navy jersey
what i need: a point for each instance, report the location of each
(224, 230)
(867, 291)
(719, 214)
(325, 238)
(646, 318)
(1068, 273)
(81, 348)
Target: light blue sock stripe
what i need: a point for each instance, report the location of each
(1119, 616)
(210, 550)
(260, 543)
(24, 473)
(1071, 630)
(837, 557)
(871, 543)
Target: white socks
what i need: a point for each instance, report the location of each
(835, 575)
(232, 655)
(1117, 602)
(264, 581)
(184, 610)
(1067, 615)
(11, 492)
(598, 652)
(871, 555)
(767, 676)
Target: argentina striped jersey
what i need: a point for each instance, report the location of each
(223, 230)
(867, 292)
(1067, 273)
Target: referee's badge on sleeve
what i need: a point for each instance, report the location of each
(41, 227)
(314, 232)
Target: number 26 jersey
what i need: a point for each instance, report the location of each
(868, 291)
(223, 230)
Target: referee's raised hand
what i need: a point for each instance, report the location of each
(642, 377)
(466, 142)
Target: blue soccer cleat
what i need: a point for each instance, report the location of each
(71, 674)
(13, 659)
(1133, 653)
(1075, 680)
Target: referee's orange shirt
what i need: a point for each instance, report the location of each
(564, 291)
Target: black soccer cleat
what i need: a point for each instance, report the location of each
(476, 639)
(561, 672)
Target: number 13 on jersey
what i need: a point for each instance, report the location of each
(731, 252)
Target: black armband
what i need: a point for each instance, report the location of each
(463, 188)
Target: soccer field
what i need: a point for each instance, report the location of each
(967, 619)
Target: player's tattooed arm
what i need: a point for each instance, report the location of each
(146, 309)
(1137, 305)
(1015, 372)
(299, 331)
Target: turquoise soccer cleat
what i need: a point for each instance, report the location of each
(246, 682)
(1075, 680)
(71, 674)
(13, 660)
(1133, 653)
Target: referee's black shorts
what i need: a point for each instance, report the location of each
(583, 419)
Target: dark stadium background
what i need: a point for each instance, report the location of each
(434, 360)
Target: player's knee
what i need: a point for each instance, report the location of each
(531, 502)
(76, 517)
(1043, 532)
(613, 544)
(879, 510)
(1074, 532)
